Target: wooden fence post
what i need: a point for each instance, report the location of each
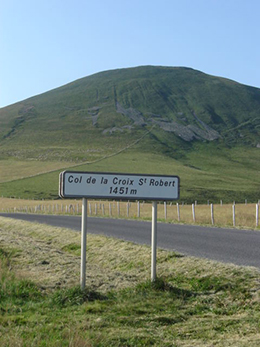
(257, 215)
(178, 211)
(118, 209)
(212, 214)
(138, 209)
(193, 213)
(234, 214)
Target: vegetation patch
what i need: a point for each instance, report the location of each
(193, 302)
(72, 248)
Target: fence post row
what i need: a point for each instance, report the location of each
(75, 208)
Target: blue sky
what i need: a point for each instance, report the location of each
(48, 43)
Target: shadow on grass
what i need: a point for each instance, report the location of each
(162, 285)
(75, 296)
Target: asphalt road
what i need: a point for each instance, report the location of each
(240, 247)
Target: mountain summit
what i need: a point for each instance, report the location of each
(178, 107)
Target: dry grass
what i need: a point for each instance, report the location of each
(223, 217)
(17, 169)
(51, 256)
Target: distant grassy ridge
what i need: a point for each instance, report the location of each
(193, 302)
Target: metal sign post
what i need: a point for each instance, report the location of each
(154, 241)
(83, 243)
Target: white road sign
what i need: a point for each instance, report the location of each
(118, 186)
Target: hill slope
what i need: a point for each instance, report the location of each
(178, 113)
(102, 110)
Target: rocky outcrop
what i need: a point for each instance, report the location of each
(188, 132)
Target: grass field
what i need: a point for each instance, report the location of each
(201, 178)
(193, 302)
(17, 169)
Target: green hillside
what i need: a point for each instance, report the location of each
(197, 124)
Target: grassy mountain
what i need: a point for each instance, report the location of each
(195, 121)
